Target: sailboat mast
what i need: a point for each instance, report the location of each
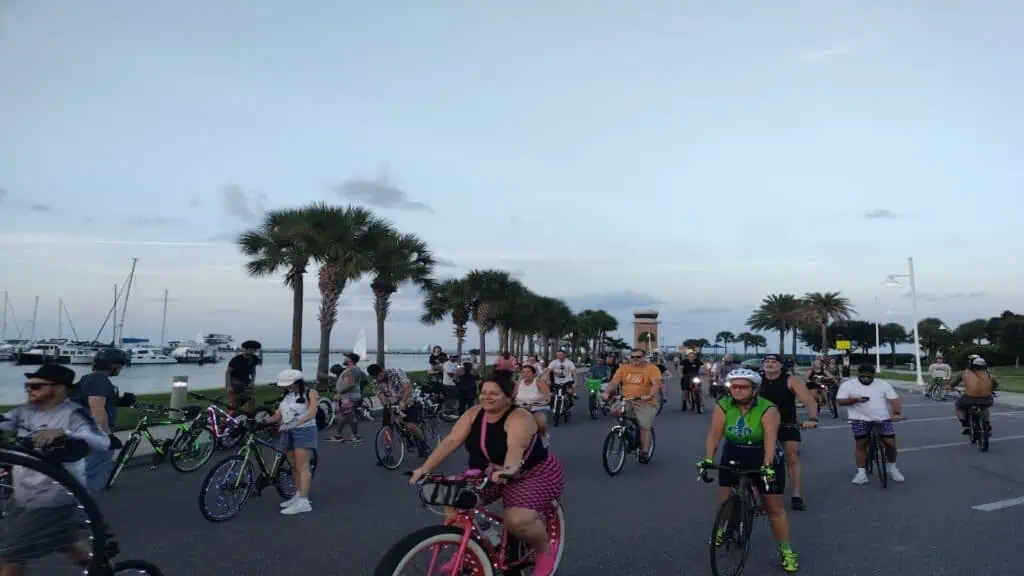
(3, 327)
(113, 325)
(35, 313)
(163, 323)
(60, 318)
(127, 293)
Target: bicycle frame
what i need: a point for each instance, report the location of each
(142, 430)
(247, 451)
(215, 414)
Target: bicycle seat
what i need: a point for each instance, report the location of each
(190, 411)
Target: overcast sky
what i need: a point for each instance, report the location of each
(684, 156)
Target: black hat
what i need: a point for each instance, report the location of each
(54, 373)
(866, 369)
(353, 357)
(771, 356)
(250, 345)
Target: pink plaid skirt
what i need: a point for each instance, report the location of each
(534, 490)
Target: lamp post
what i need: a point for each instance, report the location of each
(878, 338)
(891, 280)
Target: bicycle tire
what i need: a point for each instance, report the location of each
(732, 509)
(594, 407)
(182, 443)
(554, 521)
(614, 433)
(286, 469)
(96, 524)
(396, 558)
(556, 410)
(325, 413)
(397, 443)
(127, 451)
(650, 454)
(883, 472)
(204, 488)
(138, 567)
(833, 406)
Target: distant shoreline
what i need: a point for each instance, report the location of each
(346, 350)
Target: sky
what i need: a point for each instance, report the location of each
(686, 156)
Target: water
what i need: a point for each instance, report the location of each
(156, 378)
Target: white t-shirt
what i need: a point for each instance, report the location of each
(528, 393)
(292, 410)
(449, 373)
(938, 370)
(562, 371)
(875, 409)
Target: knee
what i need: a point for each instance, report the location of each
(518, 520)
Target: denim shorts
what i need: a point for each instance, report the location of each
(302, 437)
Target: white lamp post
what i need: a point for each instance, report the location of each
(891, 280)
(878, 338)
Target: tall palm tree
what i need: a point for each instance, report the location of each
(555, 318)
(726, 338)
(397, 259)
(825, 308)
(488, 288)
(778, 312)
(283, 242)
(450, 298)
(347, 241)
(746, 339)
(646, 338)
(758, 341)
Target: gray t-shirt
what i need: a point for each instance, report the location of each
(35, 490)
(355, 376)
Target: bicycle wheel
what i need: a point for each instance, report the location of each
(731, 533)
(52, 525)
(986, 429)
(519, 554)
(193, 450)
(229, 484)
(325, 413)
(595, 407)
(428, 550)
(126, 453)
(136, 567)
(833, 407)
(284, 483)
(614, 456)
(556, 409)
(650, 453)
(882, 460)
(389, 447)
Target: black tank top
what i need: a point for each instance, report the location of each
(480, 457)
(779, 393)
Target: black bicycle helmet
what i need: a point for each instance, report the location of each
(251, 345)
(109, 357)
(866, 369)
(336, 369)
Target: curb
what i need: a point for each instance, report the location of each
(919, 391)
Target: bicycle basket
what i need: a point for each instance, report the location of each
(594, 385)
(434, 494)
(191, 411)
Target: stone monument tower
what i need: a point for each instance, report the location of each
(645, 321)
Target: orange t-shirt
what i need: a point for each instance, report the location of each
(637, 380)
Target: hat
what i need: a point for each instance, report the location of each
(54, 373)
(286, 378)
(250, 345)
(771, 357)
(353, 357)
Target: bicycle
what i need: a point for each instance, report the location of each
(247, 480)
(87, 527)
(694, 396)
(981, 427)
(878, 458)
(226, 429)
(561, 404)
(937, 385)
(475, 538)
(829, 393)
(734, 523)
(626, 436)
(598, 406)
(430, 409)
(188, 440)
(385, 447)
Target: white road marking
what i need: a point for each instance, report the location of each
(952, 444)
(846, 426)
(999, 505)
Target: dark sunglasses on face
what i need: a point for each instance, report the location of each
(35, 385)
(637, 357)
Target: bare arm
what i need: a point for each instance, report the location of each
(98, 409)
(715, 432)
(805, 396)
(770, 423)
(454, 439)
(403, 400)
(520, 428)
(227, 376)
(896, 405)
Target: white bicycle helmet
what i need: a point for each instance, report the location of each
(743, 374)
(978, 362)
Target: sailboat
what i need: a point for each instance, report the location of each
(360, 347)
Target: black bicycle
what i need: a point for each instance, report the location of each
(734, 523)
(561, 404)
(937, 390)
(623, 439)
(68, 535)
(393, 440)
(981, 427)
(878, 458)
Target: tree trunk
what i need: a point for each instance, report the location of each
(381, 305)
(483, 349)
(295, 352)
(531, 345)
(824, 339)
(459, 340)
(892, 346)
(794, 347)
(782, 343)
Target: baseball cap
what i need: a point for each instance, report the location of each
(771, 357)
(53, 373)
(286, 378)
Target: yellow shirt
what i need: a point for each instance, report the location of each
(637, 380)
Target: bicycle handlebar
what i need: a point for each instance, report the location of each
(735, 469)
(140, 407)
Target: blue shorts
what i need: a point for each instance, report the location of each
(862, 429)
(302, 437)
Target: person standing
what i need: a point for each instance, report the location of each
(347, 395)
(466, 387)
(296, 417)
(240, 377)
(98, 394)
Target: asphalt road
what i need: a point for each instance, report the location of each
(648, 520)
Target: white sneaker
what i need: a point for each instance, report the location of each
(860, 478)
(894, 474)
(300, 506)
(290, 501)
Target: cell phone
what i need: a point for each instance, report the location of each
(865, 398)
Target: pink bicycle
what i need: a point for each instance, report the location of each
(226, 429)
(473, 542)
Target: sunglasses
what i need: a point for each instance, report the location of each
(35, 385)
(739, 387)
(637, 357)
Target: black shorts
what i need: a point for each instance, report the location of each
(412, 415)
(964, 401)
(751, 457)
(789, 432)
(813, 385)
(686, 382)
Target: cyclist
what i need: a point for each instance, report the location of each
(99, 395)
(502, 438)
(939, 373)
(979, 384)
(868, 401)
(394, 390)
(819, 380)
(45, 518)
(296, 415)
(750, 425)
(561, 372)
(534, 395)
(719, 373)
(782, 389)
(690, 369)
(643, 380)
(240, 377)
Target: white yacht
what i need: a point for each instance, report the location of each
(40, 353)
(149, 355)
(76, 355)
(194, 353)
(221, 343)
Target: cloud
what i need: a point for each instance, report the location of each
(30, 206)
(245, 206)
(224, 237)
(881, 214)
(154, 221)
(823, 55)
(705, 311)
(626, 299)
(36, 207)
(27, 239)
(193, 203)
(379, 193)
(444, 262)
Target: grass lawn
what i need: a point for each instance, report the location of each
(265, 394)
(1011, 379)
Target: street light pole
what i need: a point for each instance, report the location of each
(917, 337)
(878, 339)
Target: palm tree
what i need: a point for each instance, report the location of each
(745, 338)
(555, 318)
(283, 242)
(348, 239)
(972, 332)
(397, 259)
(725, 338)
(892, 334)
(823, 309)
(450, 298)
(778, 312)
(758, 341)
(487, 288)
(646, 338)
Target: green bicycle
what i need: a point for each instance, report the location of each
(188, 450)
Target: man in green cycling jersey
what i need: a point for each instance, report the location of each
(750, 425)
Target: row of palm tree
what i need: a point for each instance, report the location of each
(723, 339)
(494, 300)
(788, 313)
(350, 243)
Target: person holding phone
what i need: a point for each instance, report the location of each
(868, 401)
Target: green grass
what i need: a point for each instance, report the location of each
(1011, 379)
(265, 394)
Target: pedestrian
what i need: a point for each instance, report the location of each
(466, 387)
(348, 395)
(296, 417)
(97, 394)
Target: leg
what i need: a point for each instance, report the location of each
(232, 401)
(772, 505)
(542, 422)
(300, 472)
(792, 449)
(860, 453)
(890, 449)
(889, 441)
(527, 525)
